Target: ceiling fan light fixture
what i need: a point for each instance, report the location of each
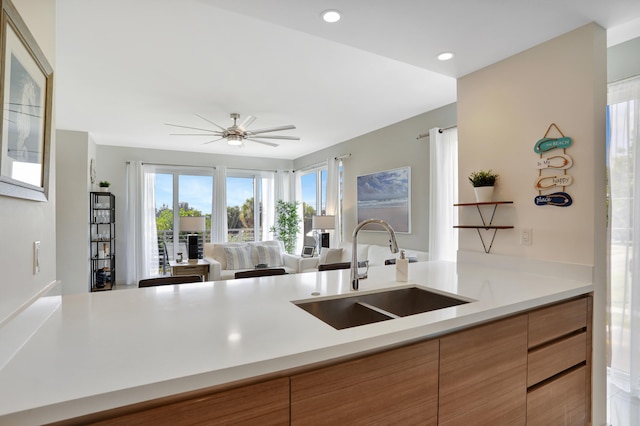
(234, 140)
(445, 56)
(331, 16)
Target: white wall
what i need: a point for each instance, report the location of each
(503, 110)
(22, 222)
(74, 153)
(389, 148)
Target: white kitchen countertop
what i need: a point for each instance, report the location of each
(103, 350)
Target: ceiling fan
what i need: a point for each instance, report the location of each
(236, 134)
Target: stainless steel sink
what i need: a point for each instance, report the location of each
(352, 311)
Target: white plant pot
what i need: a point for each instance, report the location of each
(104, 189)
(484, 194)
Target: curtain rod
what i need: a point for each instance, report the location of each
(426, 135)
(174, 165)
(342, 157)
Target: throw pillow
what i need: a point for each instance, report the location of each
(330, 256)
(238, 257)
(269, 255)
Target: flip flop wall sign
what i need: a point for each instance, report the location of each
(559, 199)
(558, 161)
(547, 144)
(546, 182)
(553, 161)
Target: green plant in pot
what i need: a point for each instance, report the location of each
(104, 185)
(287, 224)
(483, 182)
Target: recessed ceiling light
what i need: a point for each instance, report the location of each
(445, 56)
(330, 16)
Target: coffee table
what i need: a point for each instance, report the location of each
(190, 267)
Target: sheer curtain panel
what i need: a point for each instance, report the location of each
(140, 258)
(443, 193)
(623, 159)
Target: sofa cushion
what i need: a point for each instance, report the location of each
(269, 255)
(331, 255)
(219, 254)
(238, 257)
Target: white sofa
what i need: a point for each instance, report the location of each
(257, 252)
(375, 254)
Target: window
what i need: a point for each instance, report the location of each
(244, 199)
(190, 193)
(314, 200)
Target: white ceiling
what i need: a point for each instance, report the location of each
(126, 67)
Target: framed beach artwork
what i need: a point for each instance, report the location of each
(386, 195)
(26, 90)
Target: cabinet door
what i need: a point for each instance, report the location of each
(559, 402)
(264, 403)
(483, 374)
(399, 386)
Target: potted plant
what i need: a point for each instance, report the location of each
(483, 183)
(104, 186)
(287, 224)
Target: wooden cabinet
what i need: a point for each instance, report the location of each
(533, 368)
(559, 364)
(265, 403)
(399, 386)
(483, 374)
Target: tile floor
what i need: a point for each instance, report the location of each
(623, 409)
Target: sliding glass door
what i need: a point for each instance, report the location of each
(189, 192)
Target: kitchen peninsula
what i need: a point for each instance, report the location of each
(99, 352)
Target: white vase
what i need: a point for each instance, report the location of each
(484, 194)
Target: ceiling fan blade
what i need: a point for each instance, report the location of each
(192, 128)
(273, 129)
(262, 142)
(247, 122)
(290, 138)
(194, 134)
(210, 122)
(215, 140)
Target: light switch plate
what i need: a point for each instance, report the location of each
(36, 257)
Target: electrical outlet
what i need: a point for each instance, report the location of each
(526, 237)
(36, 257)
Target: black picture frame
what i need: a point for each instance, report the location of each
(26, 88)
(308, 251)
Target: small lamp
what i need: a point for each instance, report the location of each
(192, 224)
(323, 223)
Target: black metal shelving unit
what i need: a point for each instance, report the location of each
(102, 246)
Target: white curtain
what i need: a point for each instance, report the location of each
(298, 196)
(268, 205)
(140, 259)
(219, 230)
(443, 193)
(283, 187)
(623, 159)
(333, 200)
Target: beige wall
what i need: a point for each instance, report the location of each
(22, 222)
(389, 148)
(503, 110)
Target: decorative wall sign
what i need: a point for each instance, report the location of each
(546, 182)
(547, 144)
(553, 162)
(558, 161)
(560, 199)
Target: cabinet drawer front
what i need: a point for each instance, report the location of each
(188, 270)
(559, 402)
(556, 321)
(550, 360)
